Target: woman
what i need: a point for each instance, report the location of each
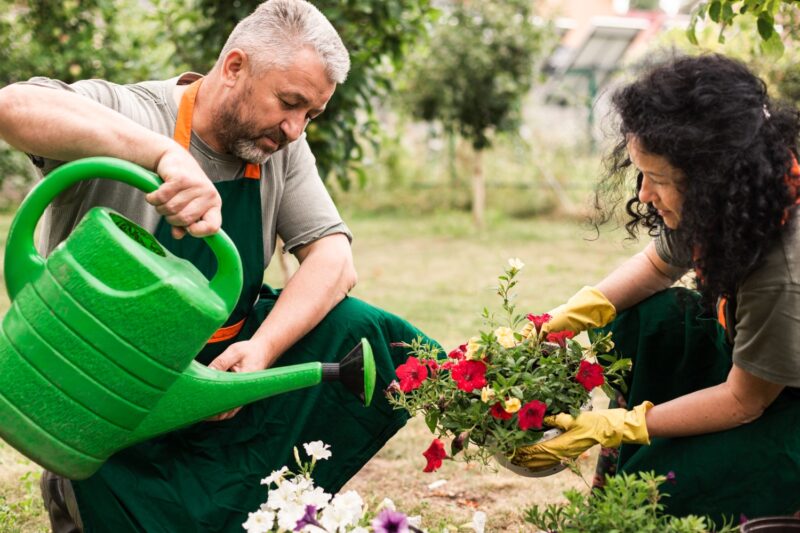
(716, 371)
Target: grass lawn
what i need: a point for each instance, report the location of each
(438, 272)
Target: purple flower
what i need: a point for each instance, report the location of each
(308, 519)
(389, 521)
(671, 477)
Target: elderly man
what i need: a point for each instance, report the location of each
(231, 150)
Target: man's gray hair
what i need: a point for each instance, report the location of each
(277, 29)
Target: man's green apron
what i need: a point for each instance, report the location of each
(753, 469)
(206, 477)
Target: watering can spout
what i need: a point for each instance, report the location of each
(201, 392)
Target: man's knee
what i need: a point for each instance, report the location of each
(60, 503)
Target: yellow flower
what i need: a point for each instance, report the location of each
(512, 405)
(487, 393)
(472, 348)
(505, 336)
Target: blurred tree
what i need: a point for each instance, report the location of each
(376, 32)
(473, 74)
(70, 40)
(131, 40)
(775, 20)
(782, 73)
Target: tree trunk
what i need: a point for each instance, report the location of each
(478, 190)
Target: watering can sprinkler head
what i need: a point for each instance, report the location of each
(356, 371)
(84, 367)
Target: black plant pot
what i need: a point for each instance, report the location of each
(772, 524)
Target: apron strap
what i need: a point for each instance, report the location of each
(183, 126)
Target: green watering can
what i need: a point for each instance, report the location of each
(97, 350)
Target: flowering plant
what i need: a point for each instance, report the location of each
(491, 394)
(295, 504)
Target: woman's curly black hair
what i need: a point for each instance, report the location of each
(710, 117)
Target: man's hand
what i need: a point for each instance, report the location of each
(609, 427)
(187, 198)
(244, 356)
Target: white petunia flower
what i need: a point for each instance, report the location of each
(274, 477)
(316, 497)
(289, 515)
(516, 263)
(259, 522)
(317, 450)
(344, 510)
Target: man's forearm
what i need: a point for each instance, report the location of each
(64, 126)
(325, 276)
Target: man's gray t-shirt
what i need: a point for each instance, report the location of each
(767, 329)
(294, 202)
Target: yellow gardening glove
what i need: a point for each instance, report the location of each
(609, 427)
(588, 308)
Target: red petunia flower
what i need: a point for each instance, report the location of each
(498, 412)
(458, 353)
(531, 415)
(433, 364)
(447, 365)
(560, 337)
(469, 375)
(539, 320)
(434, 454)
(411, 374)
(590, 375)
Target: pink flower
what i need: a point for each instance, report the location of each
(539, 320)
(434, 454)
(531, 415)
(469, 375)
(560, 337)
(411, 373)
(498, 412)
(590, 375)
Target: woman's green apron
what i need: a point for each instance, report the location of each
(207, 477)
(753, 469)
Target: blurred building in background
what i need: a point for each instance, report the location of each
(598, 40)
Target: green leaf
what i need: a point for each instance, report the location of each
(773, 47)
(431, 420)
(766, 26)
(714, 10)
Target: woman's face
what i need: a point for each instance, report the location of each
(662, 183)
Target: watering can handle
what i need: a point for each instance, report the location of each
(23, 264)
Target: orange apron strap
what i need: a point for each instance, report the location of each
(722, 317)
(252, 171)
(183, 126)
(226, 333)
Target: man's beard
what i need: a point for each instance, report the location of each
(239, 136)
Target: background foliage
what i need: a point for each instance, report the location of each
(127, 40)
(477, 86)
(776, 20)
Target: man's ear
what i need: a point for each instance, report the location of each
(234, 66)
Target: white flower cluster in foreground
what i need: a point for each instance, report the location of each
(295, 504)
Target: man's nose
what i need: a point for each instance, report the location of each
(293, 126)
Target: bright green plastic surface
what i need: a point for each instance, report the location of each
(97, 350)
